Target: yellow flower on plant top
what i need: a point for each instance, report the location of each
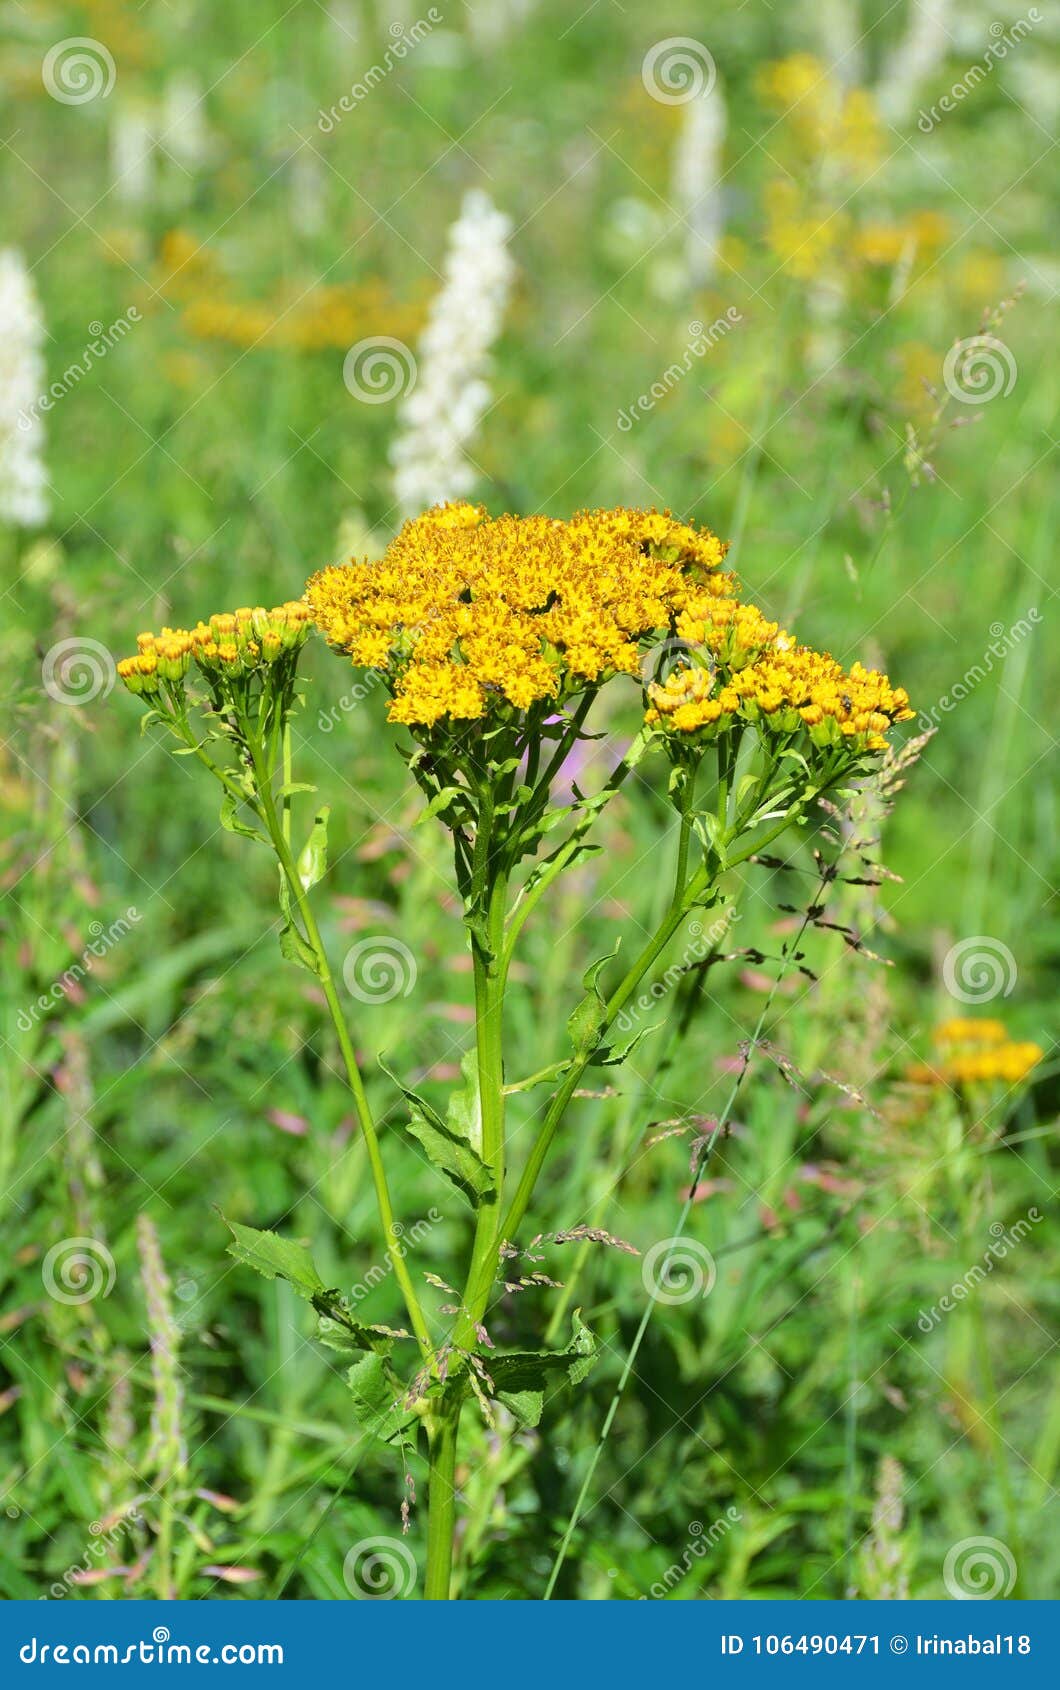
(468, 613)
(232, 643)
(784, 690)
(980, 1052)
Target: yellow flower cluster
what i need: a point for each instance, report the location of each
(466, 612)
(231, 643)
(308, 320)
(980, 1052)
(782, 687)
(827, 121)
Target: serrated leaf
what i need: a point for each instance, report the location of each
(526, 1406)
(451, 1153)
(377, 1400)
(275, 1258)
(339, 1331)
(313, 861)
(519, 1371)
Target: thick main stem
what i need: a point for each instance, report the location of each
(441, 1502)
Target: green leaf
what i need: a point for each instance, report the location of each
(230, 818)
(449, 1151)
(441, 801)
(339, 1331)
(515, 1372)
(313, 862)
(275, 1258)
(281, 1258)
(608, 1056)
(586, 1021)
(527, 1406)
(377, 1400)
(464, 1113)
(452, 1155)
(296, 949)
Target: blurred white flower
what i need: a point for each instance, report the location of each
(185, 134)
(840, 37)
(919, 52)
(132, 143)
(23, 484)
(445, 407)
(697, 182)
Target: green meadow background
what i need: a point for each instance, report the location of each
(214, 457)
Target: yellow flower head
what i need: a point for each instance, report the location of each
(468, 613)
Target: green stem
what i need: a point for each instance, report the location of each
(441, 1502)
(349, 1057)
(684, 896)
